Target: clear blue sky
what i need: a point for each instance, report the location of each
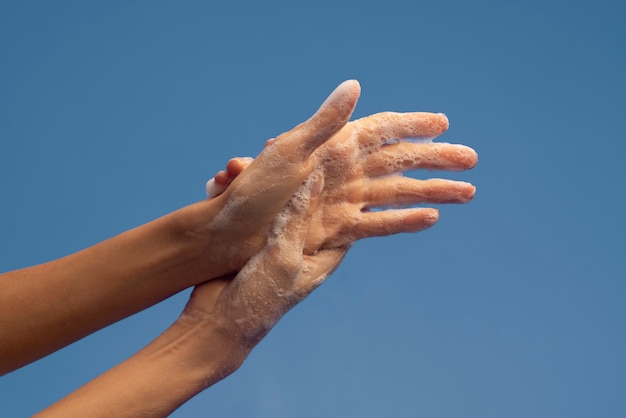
(114, 113)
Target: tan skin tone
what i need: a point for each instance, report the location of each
(74, 296)
(69, 298)
(363, 172)
(215, 237)
(223, 320)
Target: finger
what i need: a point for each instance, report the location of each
(215, 188)
(334, 113)
(317, 268)
(380, 127)
(390, 222)
(223, 178)
(406, 156)
(236, 166)
(403, 191)
(278, 170)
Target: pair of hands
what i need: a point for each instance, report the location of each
(270, 238)
(297, 208)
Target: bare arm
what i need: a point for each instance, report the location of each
(220, 325)
(184, 360)
(46, 307)
(225, 319)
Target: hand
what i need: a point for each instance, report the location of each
(362, 166)
(272, 282)
(357, 171)
(223, 321)
(242, 214)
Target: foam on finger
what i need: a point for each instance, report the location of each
(331, 116)
(404, 156)
(214, 189)
(386, 127)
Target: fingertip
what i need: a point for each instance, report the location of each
(471, 157)
(431, 216)
(465, 191)
(349, 92)
(444, 122)
(236, 165)
(233, 165)
(209, 187)
(421, 219)
(213, 188)
(221, 177)
(344, 97)
(436, 124)
(351, 86)
(458, 157)
(471, 192)
(331, 116)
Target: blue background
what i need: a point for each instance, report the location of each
(115, 113)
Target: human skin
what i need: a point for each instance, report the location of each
(363, 166)
(46, 307)
(225, 319)
(222, 322)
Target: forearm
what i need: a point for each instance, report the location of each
(46, 307)
(186, 359)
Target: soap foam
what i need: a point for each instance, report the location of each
(261, 299)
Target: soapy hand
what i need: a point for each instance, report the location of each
(357, 170)
(244, 211)
(362, 166)
(278, 277)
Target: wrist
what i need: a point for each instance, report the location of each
(207, 350)
(204, 244)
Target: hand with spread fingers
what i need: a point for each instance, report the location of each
(226, 318)
(136, 269)
(363, 165)
(241, 214)
(274, 228)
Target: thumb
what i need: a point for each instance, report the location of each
(332, 115)
(317, 268)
